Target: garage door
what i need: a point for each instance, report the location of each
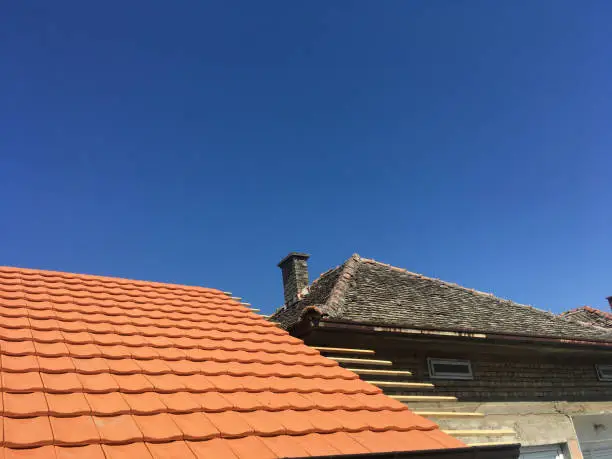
(542, 452)
(598, 453)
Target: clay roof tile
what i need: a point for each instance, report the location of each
(94, 367)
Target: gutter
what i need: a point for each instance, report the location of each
(326, 323)
(504, 451)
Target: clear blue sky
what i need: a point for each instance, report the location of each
(199, 142)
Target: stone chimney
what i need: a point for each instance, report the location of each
(609, 301)
(295, 275)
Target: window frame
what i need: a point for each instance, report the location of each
(432, 361)
(607, 367)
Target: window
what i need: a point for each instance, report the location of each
(450, 369)
(604, 372)
(542, 452)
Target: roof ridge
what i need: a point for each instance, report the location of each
(570, 311)
(605, 314)
(335, 301)
(318, 279)
(101, 278)
(457, 286)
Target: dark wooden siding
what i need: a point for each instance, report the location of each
(501, 372)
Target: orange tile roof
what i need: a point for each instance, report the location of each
(96, 367)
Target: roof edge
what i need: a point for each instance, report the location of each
(502, 451)
(104, 278)
(569, 313)
(457, 286)
(336, 300)
(463, 333)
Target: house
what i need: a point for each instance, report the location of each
(488, 370)
(98, 367)
(591, 316)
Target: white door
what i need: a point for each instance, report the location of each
(542, 452)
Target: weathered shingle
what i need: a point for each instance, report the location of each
(591, 316)
(370, 292)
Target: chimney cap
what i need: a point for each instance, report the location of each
(291, 255)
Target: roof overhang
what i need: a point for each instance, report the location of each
(505, 451)
(465, 334)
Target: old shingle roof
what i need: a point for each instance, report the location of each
(589, 315)
(97, 367)
(369, 292)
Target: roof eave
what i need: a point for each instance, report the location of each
(502, 451)
(469, 334)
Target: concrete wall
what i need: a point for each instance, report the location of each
(594, 430)
(535, 423)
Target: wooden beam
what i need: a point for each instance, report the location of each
(342, 350)
(448, 414)
(480, 432)
(255, 309)
(361, 361)
(369, 371)
(411, 385)
(237, 298)
(424, 398)
(492, 443)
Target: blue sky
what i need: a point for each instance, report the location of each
(199, 142)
